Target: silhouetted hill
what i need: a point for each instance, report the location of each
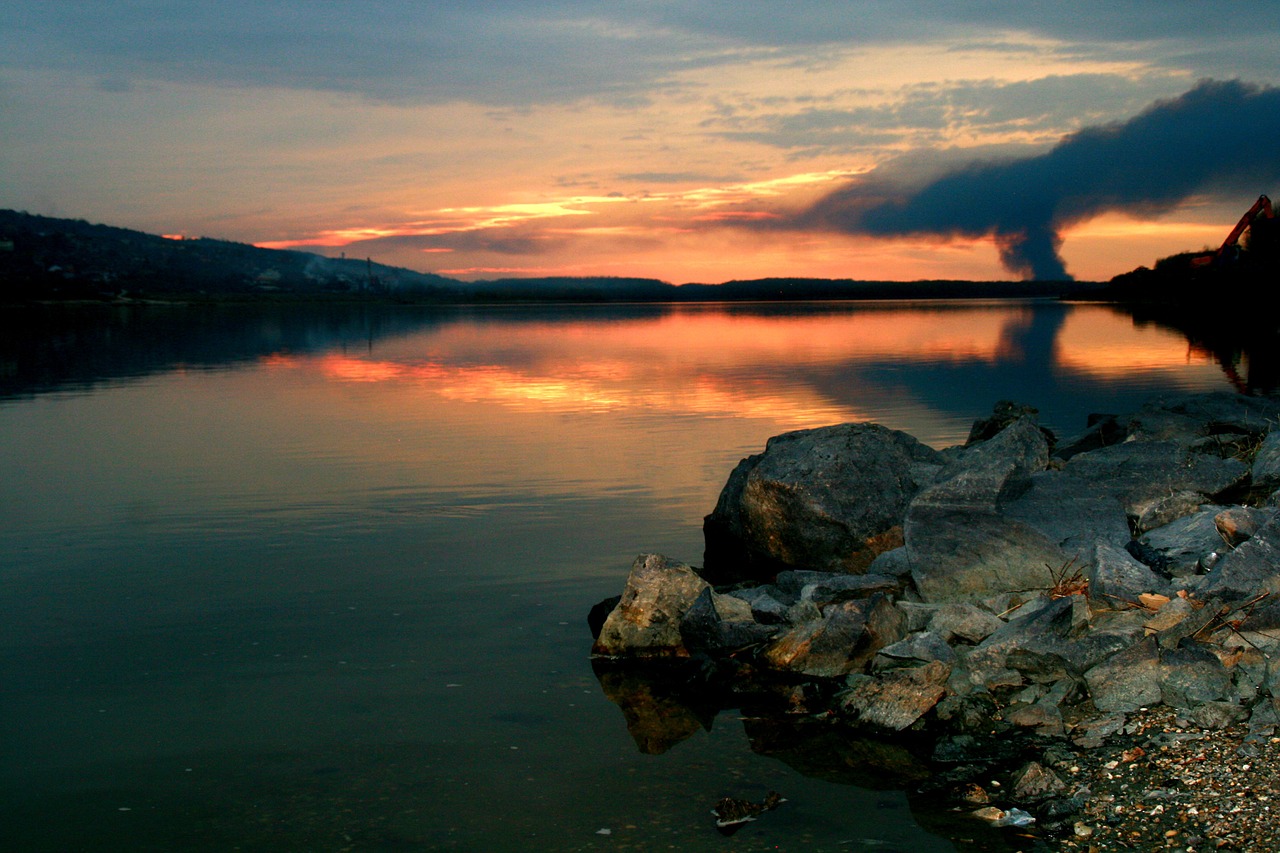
(42, 258)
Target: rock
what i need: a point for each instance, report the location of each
(1142, 473)
(1034, 782)
(1043, 717)
(1191, 675)
(1004, 414)
(960, 545)
(717, 623)
(1182, 544)
(1166, 510)
(1128, 680)
(1193, 416)
(1044, 627)
(1071, 512)
(823, 588)
(1251, 569)
(646, 621)
(895, 699)
(826, 499)
(1117, 579)
(1146, 675)
(1197, 621)
(969, 713)
(766, 607)
(1218, 715)
(1266, 463)
(963, 621)
(1238, 524)
(920, 647)
(895, 564)
(1173, 612)
(1103, 430)
(842, 641)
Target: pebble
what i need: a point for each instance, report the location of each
(1151, 791)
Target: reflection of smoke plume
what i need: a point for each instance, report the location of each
(1220, 135)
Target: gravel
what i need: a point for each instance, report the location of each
(1165, 783)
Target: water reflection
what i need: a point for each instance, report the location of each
(927, 366)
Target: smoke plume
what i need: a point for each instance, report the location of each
(1219, 136)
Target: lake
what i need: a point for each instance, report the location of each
(316, 578)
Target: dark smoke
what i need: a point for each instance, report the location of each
(1220, 136)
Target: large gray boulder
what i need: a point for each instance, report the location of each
(960, 544)
(646, 622)
(828, 499)
(1141, 474)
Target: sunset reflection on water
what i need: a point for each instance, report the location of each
(714, 362)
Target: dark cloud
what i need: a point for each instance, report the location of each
(1217, 138)
(512, 52)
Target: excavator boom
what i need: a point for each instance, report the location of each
(1261, 207)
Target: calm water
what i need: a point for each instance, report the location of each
(317, 579)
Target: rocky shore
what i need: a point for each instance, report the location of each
(994, 620)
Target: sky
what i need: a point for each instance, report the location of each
(686, 141)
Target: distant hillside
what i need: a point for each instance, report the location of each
(42, 258)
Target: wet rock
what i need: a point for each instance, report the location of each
(897, 698)
(646, 621)
(825, 499)
(842, 641)
(600, 612)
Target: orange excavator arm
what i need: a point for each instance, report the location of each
(1261, 207)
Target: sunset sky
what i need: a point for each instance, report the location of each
(686, 141)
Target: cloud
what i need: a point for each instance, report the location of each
(514, 53)
(1216, 138)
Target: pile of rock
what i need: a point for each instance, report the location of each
(1050, 586)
